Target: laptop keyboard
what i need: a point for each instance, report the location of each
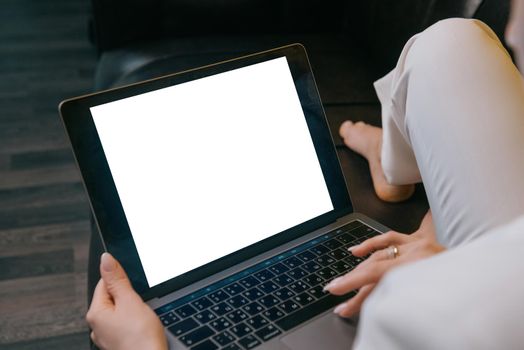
(259, 303)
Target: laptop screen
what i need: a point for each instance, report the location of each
(210, 166)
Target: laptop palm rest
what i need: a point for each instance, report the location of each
(326, 332)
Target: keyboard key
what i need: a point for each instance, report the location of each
(268, 332)
(364, 232)
(183, 326)
(341, 266)
(353, 260)
(169, 319)
(202, 303)
(318, 292)
(283, 280)
(326, 273)
(221, 309)
(289, 306)
(253, 308)
(197, 335)
(268, 287)
(298, 286)
(232, 347)
(311, 266)
(253, 294)
(292, 262)
(236, 316)
(313, 279)
(205, 345)
(273, 314)
(303, 299)
(278, 268)
(346, 238)
(264, 275)
(268, 301)
(237, 301)
(249, 282)
(320, 249)
(240, 330)
(249, 342)
(257, 322)
(218, 296)
(185, 311)
(333, 244)
(234, 289)
(325, 260)
(338, 254)
(306, 256)
(284, 294)
(220, 324)
(205, 316)
(224, 338)
(297, 273)
(165, 308)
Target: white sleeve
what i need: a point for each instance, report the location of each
(471, 297)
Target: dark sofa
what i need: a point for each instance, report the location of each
(350, 43)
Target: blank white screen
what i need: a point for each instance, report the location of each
(211, 166)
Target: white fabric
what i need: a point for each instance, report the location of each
(471, 297)
(453, 116)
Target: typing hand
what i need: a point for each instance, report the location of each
(118, 317)
(419, 245)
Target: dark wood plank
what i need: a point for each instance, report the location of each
(42, 159)
(13, 179)
(45, 238)
(42, 307)
(37, 264)
(77, 341)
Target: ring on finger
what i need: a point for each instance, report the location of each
(393, 252)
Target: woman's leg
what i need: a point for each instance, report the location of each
(453, 116)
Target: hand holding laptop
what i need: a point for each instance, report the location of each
(114, 305)
(387, 251)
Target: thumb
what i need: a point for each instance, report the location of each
(115, 278)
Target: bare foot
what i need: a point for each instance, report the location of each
(366, 140)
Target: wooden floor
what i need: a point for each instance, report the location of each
(45, 57)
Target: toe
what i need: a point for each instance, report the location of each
(344, 128)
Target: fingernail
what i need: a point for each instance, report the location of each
(353, 247)
(108, 263)
(339, 308)
(331, 284)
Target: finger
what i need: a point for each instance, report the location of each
(353, 305)
(93, 337)
(382, 254)
(361, 276)
(379, 242)
(101, 301)
(115, 278)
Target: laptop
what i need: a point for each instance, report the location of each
(220, 192)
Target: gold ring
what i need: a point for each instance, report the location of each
(392, 252)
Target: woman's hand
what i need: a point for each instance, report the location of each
(419, 245)
(118, 317)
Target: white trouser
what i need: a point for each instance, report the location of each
(453, 117)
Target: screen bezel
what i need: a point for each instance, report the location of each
(104, 200)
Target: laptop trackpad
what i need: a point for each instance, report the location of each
(326, 332)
